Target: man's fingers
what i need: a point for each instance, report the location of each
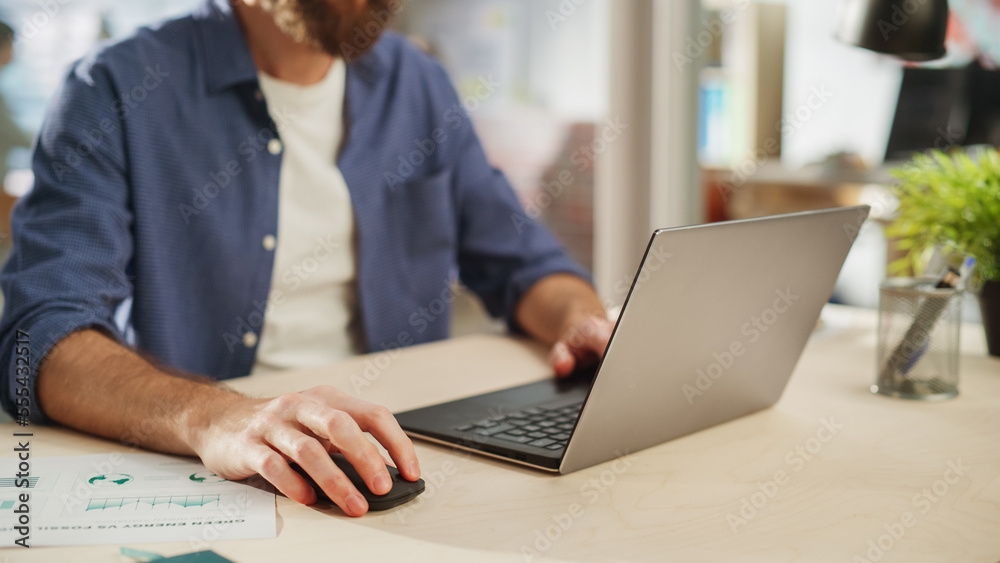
(343, 431)
(380, 422)
(272, 467)
(561, 359)
(314, 459)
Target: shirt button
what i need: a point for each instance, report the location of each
(259, 96)
(274, 146)
(269, 242)
(250, 339)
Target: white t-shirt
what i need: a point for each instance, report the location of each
(313, 315)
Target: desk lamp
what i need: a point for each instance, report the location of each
(912, 30)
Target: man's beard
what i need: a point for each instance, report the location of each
(341, 28)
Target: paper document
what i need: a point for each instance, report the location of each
(128, 498)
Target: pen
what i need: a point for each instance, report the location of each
(917, 338)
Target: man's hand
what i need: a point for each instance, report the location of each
(250, 436)
(565, 312)
(581, 345)
(94, 384)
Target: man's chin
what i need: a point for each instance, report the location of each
(354, 32)
(349, 46)
(348, 32)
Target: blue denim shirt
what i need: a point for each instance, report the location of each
(156, 181)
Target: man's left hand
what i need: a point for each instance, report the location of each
(564, 311)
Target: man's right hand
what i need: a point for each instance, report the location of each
(243, 437)
(92, 383)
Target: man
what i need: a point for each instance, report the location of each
(255, 179)
(11, 135)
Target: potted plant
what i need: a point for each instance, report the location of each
(952, 202)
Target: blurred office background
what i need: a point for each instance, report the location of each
(612, 118)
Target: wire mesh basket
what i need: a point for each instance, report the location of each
(918, 340)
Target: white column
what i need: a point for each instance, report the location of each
(648, 177)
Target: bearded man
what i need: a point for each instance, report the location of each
(261, 186)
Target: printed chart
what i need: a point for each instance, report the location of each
(124, 498)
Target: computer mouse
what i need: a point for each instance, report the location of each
(402, 490)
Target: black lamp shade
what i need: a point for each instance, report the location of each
(913, 30)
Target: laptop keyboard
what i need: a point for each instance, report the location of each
(542, 427)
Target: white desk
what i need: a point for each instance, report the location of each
(671, 502)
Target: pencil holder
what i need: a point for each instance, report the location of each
(918, 336)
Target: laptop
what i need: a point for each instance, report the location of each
(711, 330)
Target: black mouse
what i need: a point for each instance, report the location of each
(402, 490)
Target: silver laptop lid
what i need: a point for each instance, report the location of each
(712, 328)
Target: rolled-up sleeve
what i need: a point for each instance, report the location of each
(71, 233)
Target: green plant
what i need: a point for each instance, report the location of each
(951, 201)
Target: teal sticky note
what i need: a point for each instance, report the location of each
(198, 557)
(140, 555)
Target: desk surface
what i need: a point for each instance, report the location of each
(679, 501)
